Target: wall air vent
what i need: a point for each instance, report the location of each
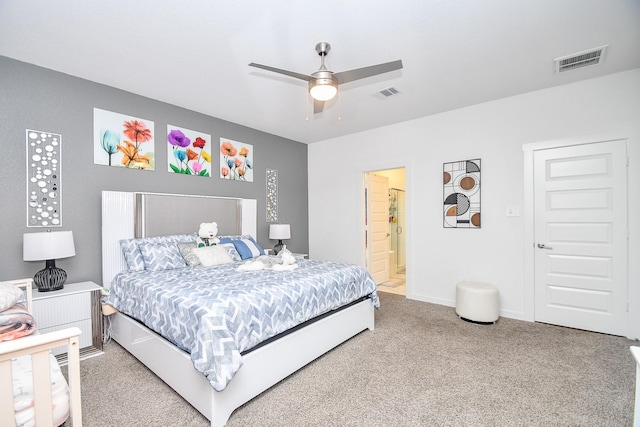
(580, 59)
(386, 93)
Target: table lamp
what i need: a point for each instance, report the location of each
(48, 246)
(279, 232)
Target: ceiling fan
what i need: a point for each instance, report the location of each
(323, 84)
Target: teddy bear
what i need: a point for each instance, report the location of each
(207, 234)
(288, 261)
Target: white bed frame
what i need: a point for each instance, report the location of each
(261, 368)
(39, 346)
(636, 407)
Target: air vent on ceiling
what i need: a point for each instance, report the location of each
(386, 93)
(580, 59)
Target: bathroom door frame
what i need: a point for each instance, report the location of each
(408, 218)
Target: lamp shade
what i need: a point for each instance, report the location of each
(323, 92)
(279, 231)
(323, 86)
(48, 245)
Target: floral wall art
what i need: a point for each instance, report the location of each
(44, 204)
(462, 194)
(189, 152)
(122, 140)
(236, 160)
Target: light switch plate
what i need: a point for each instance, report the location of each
(513, 210)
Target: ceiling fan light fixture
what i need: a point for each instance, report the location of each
(323, 84)
(323, 92)
(323, 88)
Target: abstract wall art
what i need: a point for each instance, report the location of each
(123, 141)
(188, 151)
(236, 160)
(44, 204)
(272, 195)
(461, 194)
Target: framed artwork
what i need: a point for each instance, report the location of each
(188, 151)
(461, 194)
(272, 195)
(122, 141)
(44, 204)
(236, 160)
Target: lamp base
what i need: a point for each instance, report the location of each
(50, 278)
(277, 248)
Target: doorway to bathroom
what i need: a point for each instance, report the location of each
(396, 232)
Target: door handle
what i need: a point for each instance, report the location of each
(542, 246)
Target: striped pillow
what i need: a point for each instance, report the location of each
(248, 248)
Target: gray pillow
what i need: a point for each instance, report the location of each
(190, 257)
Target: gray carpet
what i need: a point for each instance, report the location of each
(422, 366)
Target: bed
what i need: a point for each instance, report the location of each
(184, 359)
(37, 392)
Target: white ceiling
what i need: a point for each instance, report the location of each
(195, 53)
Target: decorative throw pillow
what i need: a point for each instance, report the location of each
(231, 250)
(133, 256)
(248, 248)
(212, 255)
(9, 296)
(187, 252)
(232, 238)
(161, 256)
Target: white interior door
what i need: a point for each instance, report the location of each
(580, 228)
(377, 227)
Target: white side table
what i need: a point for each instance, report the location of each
(77, 304)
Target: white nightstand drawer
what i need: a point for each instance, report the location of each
(77, 304)
(62, 310)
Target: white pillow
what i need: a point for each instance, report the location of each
(9, 296)
(212, 255)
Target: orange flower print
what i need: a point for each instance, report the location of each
(236, 160)
(137, 130)
(191, 155)
(131, 157)
(228, 149)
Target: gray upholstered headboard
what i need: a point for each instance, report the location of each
(126, 215)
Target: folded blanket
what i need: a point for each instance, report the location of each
(266, 262)
(16, 322)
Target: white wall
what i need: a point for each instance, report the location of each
(495, 132)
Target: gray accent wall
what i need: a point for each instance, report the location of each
(36, 98)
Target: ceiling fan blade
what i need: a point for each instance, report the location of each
(318, 106)
(280, 71)
(373, 70)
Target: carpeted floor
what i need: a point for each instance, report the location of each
(422, 366)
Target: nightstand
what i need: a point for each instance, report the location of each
(77, 304)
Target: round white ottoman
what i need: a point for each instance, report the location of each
(477, 302)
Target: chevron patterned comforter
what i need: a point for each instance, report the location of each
(216, 313)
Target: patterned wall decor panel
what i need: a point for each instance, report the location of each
(272, 195)
(44, 204)
(461, 194)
